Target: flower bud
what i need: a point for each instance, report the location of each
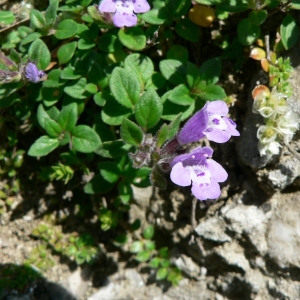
(202, 15)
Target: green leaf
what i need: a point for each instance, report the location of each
(66, 52)
(178, 52)
(69, 73)
(212, 92)
(136, 247)
(46, 113)
(162, 135)
(131, 133)
(125, 192)
(174, 127)
(39, 52)
(143, 256)
(113, 149)
(210, 70)
(181, 95)
(125, 86)
(173, 70)
(234, 5)
(76, 89)
(109, 42)
(15, 56)
(188, 30)
(247, 32)
(257, 17)
(98, 185)
(155, 16)
(133, 38)
(51, 11)
(164, 252)
(148, 232)
(150, 245)
(113, 113)
(91, 88)
(43, 146)
(85, 139)
(157, 81)
(52, 128)
(171, 111)
(85, 44)
(109, 171)
(192, 74)
(53, 79)
(6, 17)
(148, 109)
(66, 29)
(162, 273)
(154, 262)
(142, 64)
(37, 19)
(98, 99)
(289, 32)
(67, 118)
(30, 38)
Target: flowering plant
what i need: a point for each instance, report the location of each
(93, 95)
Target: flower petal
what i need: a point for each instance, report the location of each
(123, 18)
(204, 192)
(217, 135)
(193, 129)
(140, 6)
(179, 158)
(196, 156)
(217, 172)
(107, 6)
(218, 107)
(179, 175)
(231, 127)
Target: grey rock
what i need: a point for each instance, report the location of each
(188, 266)
(233, 255)
(283, 236)
(213, 229)
(248, 220)
(285, 173)
(284, 289)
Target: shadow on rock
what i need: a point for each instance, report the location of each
(25, 283)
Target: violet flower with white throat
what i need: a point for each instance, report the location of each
(198, 169)
(124, 10)
(210, 121)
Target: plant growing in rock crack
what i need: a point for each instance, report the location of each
(277, 105)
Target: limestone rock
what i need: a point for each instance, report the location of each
(213, 229)
(283, 235)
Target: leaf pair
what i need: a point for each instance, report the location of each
(61, 129)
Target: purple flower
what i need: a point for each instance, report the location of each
(210, 121)
(124, 10)
(32, 73)
(200, 170)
